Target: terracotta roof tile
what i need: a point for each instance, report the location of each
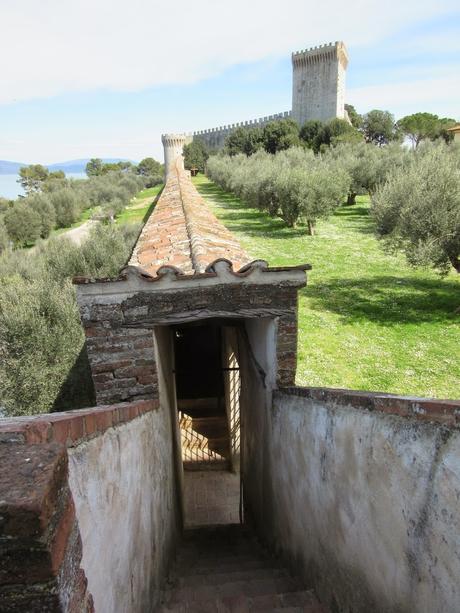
(183, 232)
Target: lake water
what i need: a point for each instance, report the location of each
(11, 189)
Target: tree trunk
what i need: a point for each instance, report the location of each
(455, 261)
(351, 198)
(311, 227)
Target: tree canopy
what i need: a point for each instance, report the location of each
(148, 167)
(33, 177)
(280, 135)
(379, 127)
(244, 140)
(96, 167)
(425, 126)
(196, 155)
(418, 208)
(23, 224)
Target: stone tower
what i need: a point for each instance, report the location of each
(173, 145)
(318, 83)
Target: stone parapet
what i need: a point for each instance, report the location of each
(67, 481)
(445, 412)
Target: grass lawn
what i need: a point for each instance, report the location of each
(367, 320)
(140, 207)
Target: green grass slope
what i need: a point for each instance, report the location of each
(366, 319)
(140, 207)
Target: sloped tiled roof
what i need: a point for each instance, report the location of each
(183, 233)
(183, 241)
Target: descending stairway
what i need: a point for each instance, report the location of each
(224, 570)
(204, 433)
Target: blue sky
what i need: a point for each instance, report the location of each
(106, 78)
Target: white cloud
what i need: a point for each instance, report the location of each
(58, 46)
(439, 95)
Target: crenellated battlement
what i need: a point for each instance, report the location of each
(173, 140)
(320, 53)
(251, 123)
(214, 138)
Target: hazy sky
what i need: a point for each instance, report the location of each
(85, 78)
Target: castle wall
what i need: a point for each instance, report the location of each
(318, 92)
(318, 83)
(214, 138)
(359, 492)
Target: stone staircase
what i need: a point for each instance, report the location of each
(224, 570)
(205, 434)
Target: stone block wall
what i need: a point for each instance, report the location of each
(359, 492)
(318, 83)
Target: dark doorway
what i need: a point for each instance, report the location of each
(198, 351)
(200, 393)
(207, 393)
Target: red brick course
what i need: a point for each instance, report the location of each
(72, 427)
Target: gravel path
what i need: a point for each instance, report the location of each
(80, 234)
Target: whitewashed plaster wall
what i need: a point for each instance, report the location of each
(123, 486)
(365, 505)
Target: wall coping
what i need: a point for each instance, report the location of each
(445, 412)
(71, 428)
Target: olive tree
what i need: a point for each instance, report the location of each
(418, 208)
(23, 224)
(67, 207)
(311, 192)
(41, 204)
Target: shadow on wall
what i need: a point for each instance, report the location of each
(387, 299)
(77, 391)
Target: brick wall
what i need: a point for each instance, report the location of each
(120, 337)
(40, 544)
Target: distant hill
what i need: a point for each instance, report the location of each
(80, 165)
(12, 168)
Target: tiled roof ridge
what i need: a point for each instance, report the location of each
(189, 227)
(184, 233)
(207, 234)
